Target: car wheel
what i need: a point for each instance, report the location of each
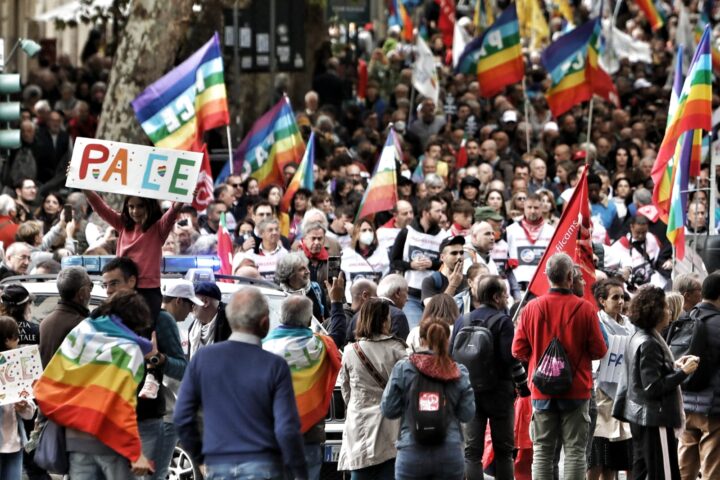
(182, 466)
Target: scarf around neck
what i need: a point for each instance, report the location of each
(532, 229)
(321, 256)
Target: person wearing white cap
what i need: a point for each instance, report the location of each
(178, 299)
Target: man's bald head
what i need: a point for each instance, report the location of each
(248, 312)
(360, 291)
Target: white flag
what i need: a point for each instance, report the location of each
(424, 73)
(460, 39)
(619, 44)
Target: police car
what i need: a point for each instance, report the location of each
(43, 288)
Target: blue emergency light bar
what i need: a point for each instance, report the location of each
(170, 264)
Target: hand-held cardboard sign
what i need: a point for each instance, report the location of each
(19, 369)
(130, 169)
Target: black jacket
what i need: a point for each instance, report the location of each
(706, 401)
(647, 393)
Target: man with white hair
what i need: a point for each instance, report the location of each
(267, 254)
(314, 359)
(434, 184)
(563, 417)
(17, 260)
(314, 215)
(250, 416)
(8, 227)
(394, 289)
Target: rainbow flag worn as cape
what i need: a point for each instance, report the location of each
(273, 141)
(91, 383)
(693, 111)
(314, 363)
(653, 15)
(191, 98)
(496, 55)
(572, 61)
(381, 192)
(304, 176)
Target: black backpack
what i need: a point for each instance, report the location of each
(690, 336)
(474, 347)
(429, 417)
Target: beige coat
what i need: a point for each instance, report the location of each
(368, 437)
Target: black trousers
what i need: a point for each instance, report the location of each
(655, 453)
(499, 409)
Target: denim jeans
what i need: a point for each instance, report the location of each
(382, 471)
(245, 471)
(501, 431)
(164, 451)
(413, 310)
(572, 428)
(91, 466)
(314, 460)
(443, 462)
(151, 436)
(11, 465)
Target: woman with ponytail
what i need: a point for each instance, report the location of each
(421, 455)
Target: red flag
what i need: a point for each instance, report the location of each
(446, 21)
(362, 79)
(572, 236)
(461, 158)
(224, 248)
(204, 192)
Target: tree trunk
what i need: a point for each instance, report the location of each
(147, 50)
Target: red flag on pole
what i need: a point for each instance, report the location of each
(461, 159)
(204, 192)
(572, 236)
(224, 248)
(446, 21)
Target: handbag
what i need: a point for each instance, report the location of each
(51, 452)
(553, 374)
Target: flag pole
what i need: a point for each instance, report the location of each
(527, 117)
(713, 187)
(589, 130)
(230, 150)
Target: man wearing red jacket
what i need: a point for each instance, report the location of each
(560, 417)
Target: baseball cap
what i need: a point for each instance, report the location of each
(14, 294)
(509, 116)
(641, 83)
(208, 289)
(487, 213)
(456, 240)
(580, 155)
(181, 289)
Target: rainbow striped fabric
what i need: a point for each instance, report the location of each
(304, 176)
(381, 193)
(693, 111)
(314, 362)
(91, 383)
(653, 15)
(690, 146)
(191, 98)
(399, 16)
(576, 75)
(496, 55)
(272, 142)
(703, 21)
(484, 14)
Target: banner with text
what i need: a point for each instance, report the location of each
(130, 169)
(19, 369)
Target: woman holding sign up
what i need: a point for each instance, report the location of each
(612, 442)
(142, 230)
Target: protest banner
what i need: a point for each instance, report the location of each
(129, 169)
(612, 365)
(19, 369)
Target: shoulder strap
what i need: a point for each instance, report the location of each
(379, 379)
(437, 279)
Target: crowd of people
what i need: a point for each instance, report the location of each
(401, 295)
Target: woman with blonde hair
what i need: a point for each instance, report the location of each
(368, 442)
(675, 301)
(442, 307)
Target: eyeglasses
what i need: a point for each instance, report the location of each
(236, 185)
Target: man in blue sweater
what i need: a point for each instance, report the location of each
(250, 419)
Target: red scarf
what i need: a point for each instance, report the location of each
(321, 256)
(532, 229)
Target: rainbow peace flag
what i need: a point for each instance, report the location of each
(176, 109)
(653, 15)
(575, 73)
(91, 383)
(304, 176)
(381, 192)
(399, 16)
(314, 363)
(693, 111)
(272, 142)
(703, 21)
(690, 146)
(496, 55)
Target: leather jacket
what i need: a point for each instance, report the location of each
(648, 393)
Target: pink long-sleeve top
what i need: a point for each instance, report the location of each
(143, 248)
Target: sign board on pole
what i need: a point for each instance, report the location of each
(19, 369)
(130, 169)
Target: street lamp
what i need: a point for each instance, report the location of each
(30, 47)
(9, 84)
